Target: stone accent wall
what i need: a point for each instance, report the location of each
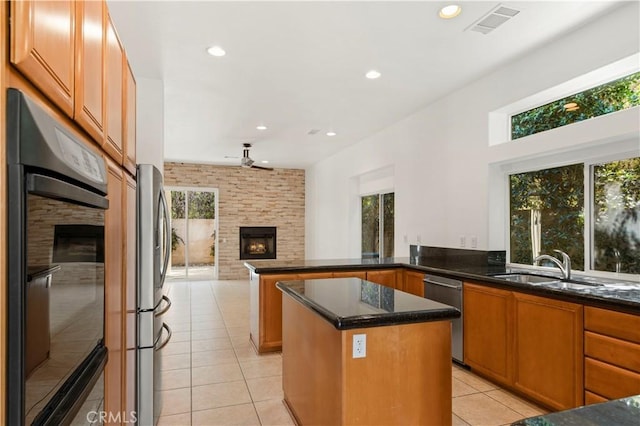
(248, 197)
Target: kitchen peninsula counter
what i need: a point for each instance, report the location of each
(400, 375)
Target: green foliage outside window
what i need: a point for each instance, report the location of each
(614, 96)
(201, 205)
(556, 198)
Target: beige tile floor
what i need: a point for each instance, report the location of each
(212, 376)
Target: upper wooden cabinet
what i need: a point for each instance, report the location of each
(89, 97)
(43, 47)
(129, 120)
(114, 94)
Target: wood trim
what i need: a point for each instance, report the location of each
(350, 274)
(3, 202)
(128, 294)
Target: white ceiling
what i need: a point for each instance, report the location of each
(299, 65)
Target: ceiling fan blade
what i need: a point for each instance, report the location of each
(261, 167)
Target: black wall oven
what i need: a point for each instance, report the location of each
(57, 191)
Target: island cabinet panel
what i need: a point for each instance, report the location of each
(386, 277)
(113, 142)
(268, 300)
(89, 74)
(548, 352)
(42, 52)
(487, 331)
(348, 274)
(324, 385)
(413, 282)
(612, 354)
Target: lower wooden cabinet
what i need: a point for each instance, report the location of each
(413, 283)
(526, 343)
(612, 354)
(548, 354)
(487, 331)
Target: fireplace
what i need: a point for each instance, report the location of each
(257, 242)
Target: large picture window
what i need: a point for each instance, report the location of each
(377, 225)
(614, 96)
(549, 208)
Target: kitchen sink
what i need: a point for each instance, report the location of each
(573, 285)
(527, 278)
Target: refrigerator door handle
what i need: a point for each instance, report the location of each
(166, 307)
(167, 236)
(157, 347)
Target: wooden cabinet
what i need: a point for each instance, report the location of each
(387, 277)
(526, 343)
(113, 304)
(89, 71)
(114, 57)
(351, 274)
(487, 331)
(266, 305)
(413, 282)
(612, 354)
(43, 47)
(129, 390)
(129, 160)
(548, 355)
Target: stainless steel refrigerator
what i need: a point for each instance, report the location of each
(154, 247)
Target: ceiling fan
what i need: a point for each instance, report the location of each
(247, 162)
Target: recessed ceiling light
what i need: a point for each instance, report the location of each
(450, 11)
(331, 133)
(216, 51)
(265, 161)
(261, 127)
(373, 74)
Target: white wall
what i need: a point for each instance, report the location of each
(444, 169)
(150, 122)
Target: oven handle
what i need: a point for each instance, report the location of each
(163, 344)
(59, 190)
(166, 308)
(455, 287)
(167, 237)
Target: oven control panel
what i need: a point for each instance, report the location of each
(81, 159)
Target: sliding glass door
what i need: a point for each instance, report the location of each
(193, 233)
(377, 225)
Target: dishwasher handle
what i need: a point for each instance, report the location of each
(455, 287)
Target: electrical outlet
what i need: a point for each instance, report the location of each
(359, 346)
(474, 241)
(463, 240)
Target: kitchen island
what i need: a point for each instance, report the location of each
(358, 353)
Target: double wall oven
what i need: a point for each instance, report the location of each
(57, 190)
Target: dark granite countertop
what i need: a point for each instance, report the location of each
(622, 297)
(620, 412)
(349, 303)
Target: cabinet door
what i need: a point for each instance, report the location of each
(548, 350)
(113, 290)
(413, 283)
(129, 389)
(42, 47)
(130, 121)
(385, 277)
(114, 105)
(487, 331)
(89, 98)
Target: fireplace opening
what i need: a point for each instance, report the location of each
(257, 242)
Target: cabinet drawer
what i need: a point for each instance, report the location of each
(610, 381)
(614, 351)
(612, 323)
(592, 398)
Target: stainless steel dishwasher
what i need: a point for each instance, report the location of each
(448, 291)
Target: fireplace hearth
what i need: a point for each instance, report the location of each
(257, 242)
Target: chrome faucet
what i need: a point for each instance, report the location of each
(565, 265)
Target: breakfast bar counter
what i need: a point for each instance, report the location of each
(358, 353)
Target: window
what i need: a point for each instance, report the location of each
(548, 210)
(614, 96)
(377, 219)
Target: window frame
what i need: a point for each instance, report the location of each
(588, 162)
(380, 196)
